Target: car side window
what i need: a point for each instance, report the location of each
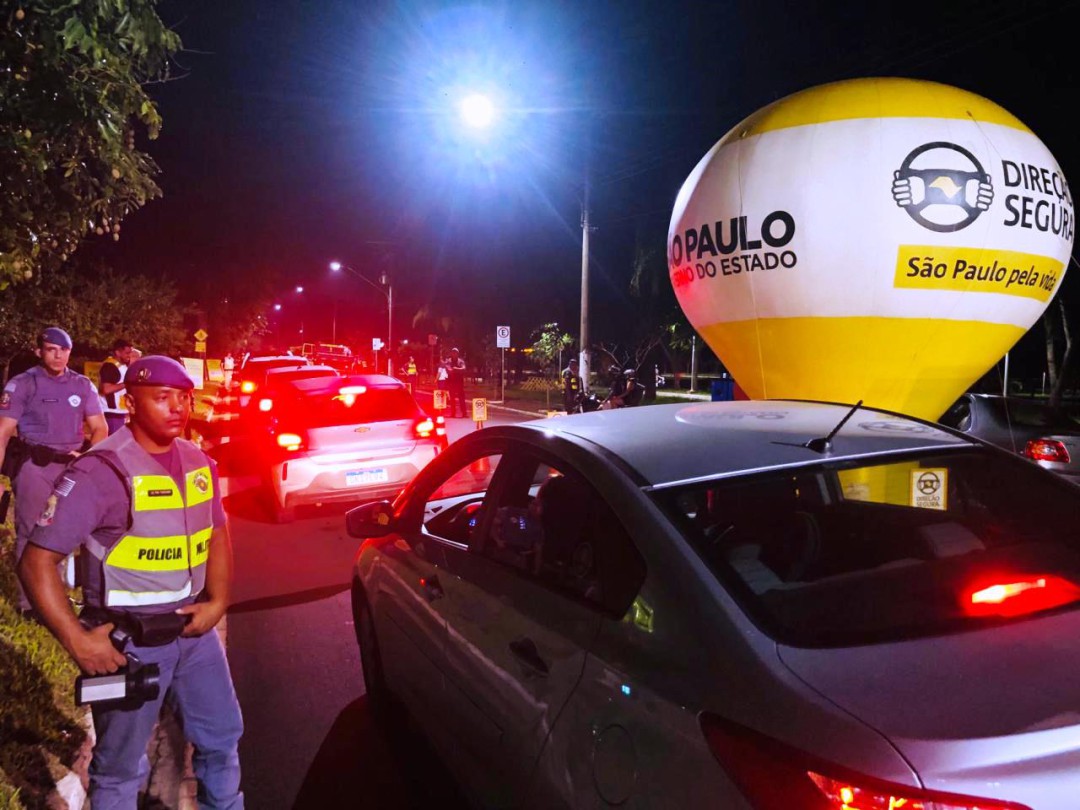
(453, 510)
(552, 526)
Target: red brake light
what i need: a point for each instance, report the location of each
(1016, 597)
(774, 776)
(1046, 450)
(290, 441)
(266, 405)
(425, 428)
(247, 386)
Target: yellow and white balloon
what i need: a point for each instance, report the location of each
(878, 239)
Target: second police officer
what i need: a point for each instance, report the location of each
(572, 393)
(56, 412)
(145, 506)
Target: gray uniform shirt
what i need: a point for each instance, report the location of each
(50, 410)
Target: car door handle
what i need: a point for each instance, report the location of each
(432, 588)
(524, 650)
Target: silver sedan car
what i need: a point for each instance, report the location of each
(740, 605)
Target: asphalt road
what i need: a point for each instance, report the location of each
(310, 740)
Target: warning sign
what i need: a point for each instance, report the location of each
(479, 410)
(929, 488)
(442, 400)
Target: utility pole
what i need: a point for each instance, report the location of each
(584, 344)
(693, 362)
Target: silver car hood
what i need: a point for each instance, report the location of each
(993, 713)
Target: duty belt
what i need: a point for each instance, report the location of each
(146, 630)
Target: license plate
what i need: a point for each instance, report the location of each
(358, 478)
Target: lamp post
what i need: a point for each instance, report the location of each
(384, 280)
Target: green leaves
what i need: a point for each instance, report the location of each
(74, 98)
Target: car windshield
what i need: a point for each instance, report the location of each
(846, 554)
(279, 377)
(331, 408)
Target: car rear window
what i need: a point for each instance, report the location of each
(330, 408)
(846, 554)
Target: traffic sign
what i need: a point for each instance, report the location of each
(432, 340)
(502, 337)
(376, 343)
(200, 336)
(200, 346)
(442, 400)
(479, 410)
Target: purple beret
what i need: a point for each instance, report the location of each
(155, 369)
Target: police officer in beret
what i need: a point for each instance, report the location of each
(145, 506)
(55, 411)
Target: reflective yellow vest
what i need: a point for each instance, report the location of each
(161, 558)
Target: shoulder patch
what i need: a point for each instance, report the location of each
(10, 387)
(49, 513)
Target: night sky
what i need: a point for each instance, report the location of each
(302, 132)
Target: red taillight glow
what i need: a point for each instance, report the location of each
(775, 776)
(425, 428)
(290, 441)
(1016, 597)
(266, 405)
(1047, 450)
(246, 387)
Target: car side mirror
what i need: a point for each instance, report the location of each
(370, 520)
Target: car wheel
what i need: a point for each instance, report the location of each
(378, 693)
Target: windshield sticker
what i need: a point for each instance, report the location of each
(929, 488)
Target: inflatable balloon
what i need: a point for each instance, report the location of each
(878, 239)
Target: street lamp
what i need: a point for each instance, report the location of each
(388, 293)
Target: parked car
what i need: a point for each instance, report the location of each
(252, 374)
(330, 439)
(734, 605)
(1049, 437)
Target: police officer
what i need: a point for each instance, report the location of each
(455, 367)
(111, 384)
(145, 505)
(571, 387)
(412, 374)
(54, 409)
(634, 391)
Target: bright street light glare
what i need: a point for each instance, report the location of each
(299, 289)
(335, 266)
(277, 307)
(478, 111)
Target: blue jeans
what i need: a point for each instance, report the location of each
(195, 680)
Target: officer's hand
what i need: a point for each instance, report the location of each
(203, 617)
(95, 653)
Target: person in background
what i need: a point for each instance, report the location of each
(228, 365)
(572, 393)
(412, 374)
(111, 384)
(455, 367)
(56, 413)
(145, 509)
(634, 392)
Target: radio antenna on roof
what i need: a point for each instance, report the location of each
(824, 443)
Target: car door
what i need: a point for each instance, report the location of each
(517, 635)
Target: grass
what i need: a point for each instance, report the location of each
(40, 732)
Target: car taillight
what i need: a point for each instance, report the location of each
(425, 428)
(1017, 596)
(266, 405)
(775, 776)
(246, 387)
(1046, 450)
(290, 441)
